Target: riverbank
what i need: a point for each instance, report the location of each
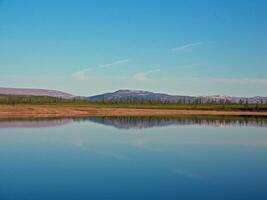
(44, 111)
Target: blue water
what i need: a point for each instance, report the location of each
(128, 158)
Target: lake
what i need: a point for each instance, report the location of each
(134, 158)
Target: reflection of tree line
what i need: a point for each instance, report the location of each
(140, 122)
(148, 122)
(34, 123)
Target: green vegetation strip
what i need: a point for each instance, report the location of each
(45, 100)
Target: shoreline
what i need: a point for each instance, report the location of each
(46, 111)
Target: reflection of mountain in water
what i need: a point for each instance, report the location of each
(34, 123)
(139, 122)
(149, 122)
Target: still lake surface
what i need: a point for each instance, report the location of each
(134, 158)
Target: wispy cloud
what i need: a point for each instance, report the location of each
(189, 66)
(188, 47)
(81, 74)
(142, 76)
(116, 63)
(184, 67)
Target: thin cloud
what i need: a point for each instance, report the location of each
(190, 66)
(116, 63)
(81, 74)
(143, 75)
(189, 46)
(186, 66)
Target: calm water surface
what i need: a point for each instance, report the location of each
(134, 158)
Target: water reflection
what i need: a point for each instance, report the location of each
(88, 160)
(149, 122)
(34, 123)
(141, 122)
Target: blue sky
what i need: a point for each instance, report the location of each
(179, 47)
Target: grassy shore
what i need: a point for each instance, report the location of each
(67, 110)
(54, 101)
(39, 106)
(215, 107)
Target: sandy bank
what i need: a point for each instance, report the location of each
(34, 111)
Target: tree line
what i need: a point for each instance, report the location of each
(196, 100)
(23, 99)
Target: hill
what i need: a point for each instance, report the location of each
(131, 96)
(35, 92)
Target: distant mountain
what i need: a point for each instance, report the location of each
(145, 96)
(122, 95)
(136, 96)
(35, 92)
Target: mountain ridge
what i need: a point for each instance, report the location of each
(35, 92)
(140, 95)
(126, 95)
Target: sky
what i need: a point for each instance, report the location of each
(185, 47)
